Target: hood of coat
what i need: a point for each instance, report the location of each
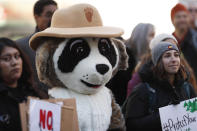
(146, 73)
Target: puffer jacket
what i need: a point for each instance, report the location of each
(137, 114)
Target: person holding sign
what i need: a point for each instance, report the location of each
(165, 85)
(16, 83)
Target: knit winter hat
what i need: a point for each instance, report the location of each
(178, 7)
(160, 38)
(160, 49)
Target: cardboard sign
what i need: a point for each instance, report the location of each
(44, 115)
(67, 121)
(181, 117)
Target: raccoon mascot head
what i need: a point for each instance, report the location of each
(76, 57)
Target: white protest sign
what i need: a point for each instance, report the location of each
(44, 116)
(181, 117)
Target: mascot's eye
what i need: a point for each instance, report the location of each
(104, 45)
(79, 50)
(106, 48)
(76, 49)
(77, 46)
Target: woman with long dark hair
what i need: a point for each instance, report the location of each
(16, 84)
(164, 85)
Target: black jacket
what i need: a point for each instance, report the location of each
(118, 84)
(189, 49)
(137, 114)
(9, 106)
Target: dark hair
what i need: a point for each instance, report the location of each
(27, 73)
(40, 4)
(161, 73)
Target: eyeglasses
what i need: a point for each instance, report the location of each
(8, 58)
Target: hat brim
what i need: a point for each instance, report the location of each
(99, 31)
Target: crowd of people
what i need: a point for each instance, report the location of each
(164, 64)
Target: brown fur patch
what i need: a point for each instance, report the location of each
(44, 62)
(117, 119)
(123, 58)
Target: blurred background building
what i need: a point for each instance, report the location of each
(16, 16)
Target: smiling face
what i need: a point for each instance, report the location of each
(171, 61)
(10, 65)
(85, 64)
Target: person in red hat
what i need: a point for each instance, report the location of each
(180, 20)
(186, 36)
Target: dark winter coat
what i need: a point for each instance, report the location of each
(189, 49)
(118, 84)
(137, 110)
(9, 106)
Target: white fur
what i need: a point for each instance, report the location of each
(85, 69)
(94, 111)
(93, 104)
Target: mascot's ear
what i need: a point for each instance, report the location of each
(44, 61)
(123, 57)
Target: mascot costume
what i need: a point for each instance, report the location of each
(76, 56)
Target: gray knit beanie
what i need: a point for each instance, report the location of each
(161, 48)
(159, 38)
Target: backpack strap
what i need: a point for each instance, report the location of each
(123, 107)
(152, 98)
(186, 86)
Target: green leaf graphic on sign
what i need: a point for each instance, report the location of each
(191, 106)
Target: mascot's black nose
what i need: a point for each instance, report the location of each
(102, 68)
